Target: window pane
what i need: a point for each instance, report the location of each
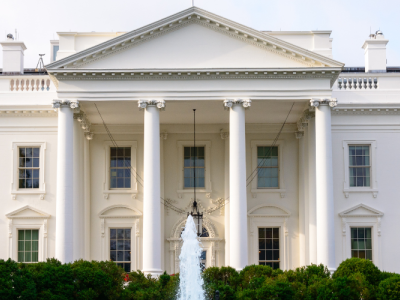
(261, 232)
(120, 245)
(269, 255)
(28, 257)
(28, 235)
(127, 256)
(261, 255)
(21, 246)
(113, 255)
(35, 256)
(21, 152)
(368, 233)
(21, 257)
(127, 267)
(120, 255)
(276, 233)
(35, 235)
(28, 162)
(120, 233)
(28, 152)
(268, 244)
(36, 162)
(35, 246)
(261, 244)
(113, 233)
(21, 235)
(36, 152)
(268, 232)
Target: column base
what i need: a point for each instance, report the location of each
(153, 272)
(332, 270)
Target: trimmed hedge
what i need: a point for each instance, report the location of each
(354, 279)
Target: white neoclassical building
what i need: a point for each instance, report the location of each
(294, 162)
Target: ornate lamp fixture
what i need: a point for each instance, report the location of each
(197, 216)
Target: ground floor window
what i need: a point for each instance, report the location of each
(268, 247)
(361, 242)
(120, 247)
(28, 245)
(203, 259)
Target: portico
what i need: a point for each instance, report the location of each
(242, 102)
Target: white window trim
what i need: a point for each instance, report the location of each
(266, 221)
(108, 222)
(106, 182)
(16, 222)
(373, 188)
(265, 143)
(207, 180)
(15, 190)
(372, 220)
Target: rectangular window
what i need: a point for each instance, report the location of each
(28, 245)
(361, 243)
(55, 50)
(203, 260)
(28, 170)
(120, 248)
(267, 167)
(192, 167)
(360, 166)
(120, 168)
(268, 247)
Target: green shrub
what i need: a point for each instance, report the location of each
(389, 289)
(16, 283)
(364, 266)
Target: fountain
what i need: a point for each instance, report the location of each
(191, 282)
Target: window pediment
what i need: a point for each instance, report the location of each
(120, 211)
(361, 210)
(268, 211)
(27, 212)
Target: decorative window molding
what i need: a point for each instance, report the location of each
(27, 217)
(269, 216)
(210, 244)
(207, 148)
(266, 143)
(362, 215)
(106, 182)
(373, 188)
(121, 216)
(15, 190)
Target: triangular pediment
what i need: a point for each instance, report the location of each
(361, 210)
(27, 212)
(193, 38)
(120, 211)
(268, 211)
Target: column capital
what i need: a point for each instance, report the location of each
(59, 103)
(224, 135)
(228, 103)
(299, 134)
(142, 104)
(315, 102)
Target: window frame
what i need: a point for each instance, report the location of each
(207, 167)
(18, 230)
(372, 242)
(373, 188)
(15, 190)
(194, 167)
(132, 228)
(133, 190)
(280, 241)
(254, 144)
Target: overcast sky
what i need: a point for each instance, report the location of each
(350, 21)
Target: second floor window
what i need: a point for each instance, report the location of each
(360, 165)
(267, 167)
(28, 170)
(120, 168)
(194, 169)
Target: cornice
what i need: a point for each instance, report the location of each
(202, 17)
(374, 212)
(196, 74)
(28, 113)
(366, 111)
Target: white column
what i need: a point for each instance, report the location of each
(302, 244)
(225, 136)
(324, 179)
(237, 183)
(152, 188)
(311, 202)
(64, 196)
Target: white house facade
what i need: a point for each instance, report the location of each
(294, 160)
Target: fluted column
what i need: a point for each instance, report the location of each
(64, 196)
(238, 241)
(324, 179)
(152, 187)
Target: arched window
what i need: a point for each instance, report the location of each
(204, 232)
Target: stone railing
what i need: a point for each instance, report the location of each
(31, 84)
(355, 82)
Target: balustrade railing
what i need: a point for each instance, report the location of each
(365, 83)
(30, 84)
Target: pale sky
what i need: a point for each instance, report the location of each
(350, 21)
